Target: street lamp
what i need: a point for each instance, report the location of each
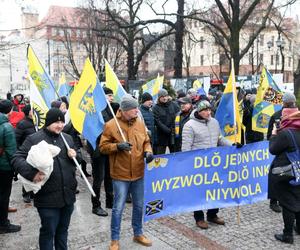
(280, 43)
(269, 44)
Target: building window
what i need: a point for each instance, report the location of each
(277, 59)
(261, 40)
(273, 40)
(290, 45)
(201, 60)
(53, 32)
(250, 58)
(290, 61)
(272, 59)
(201, 42)
(261, 58)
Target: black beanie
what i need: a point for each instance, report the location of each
(146, 97)
(26, 109)
(108, 91)
(54, 115)
(5, 106)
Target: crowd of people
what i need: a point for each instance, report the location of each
(132, 134)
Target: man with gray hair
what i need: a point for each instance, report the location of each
(126, 160)
(288, 101)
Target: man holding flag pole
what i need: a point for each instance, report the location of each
(126, 141)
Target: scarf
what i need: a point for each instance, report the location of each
(290, 119)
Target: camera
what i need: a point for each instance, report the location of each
(277, 123)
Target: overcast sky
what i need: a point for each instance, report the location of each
(10, 12)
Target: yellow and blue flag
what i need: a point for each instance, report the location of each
(198, 86)
(40, 77)
(153, 87)
(86, 104)
(112, 82)
(63, 88)
(268, 101)
(38, 106)
(228, 114)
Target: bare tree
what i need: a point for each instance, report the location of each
(226, 22)
(81, 39)
(134, 34)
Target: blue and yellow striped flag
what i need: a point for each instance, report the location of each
(153, 87)
(86, 104)
(112, 82)
(228, 113)
(40, 77)
(268, 101)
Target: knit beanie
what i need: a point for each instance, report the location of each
(185, 100)
(146, 97)
(5, 106)
(54, 115)
(203, 105)
(162, 92)
(288, 97)
(26, 109)
(56, 104)
(128, 103)
(108, 91)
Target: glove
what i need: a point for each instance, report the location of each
(149, 157)
(238, 145)
(124, 146)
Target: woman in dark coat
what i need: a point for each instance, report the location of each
(288, 195)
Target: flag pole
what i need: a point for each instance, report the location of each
(115, 118)
(235, 125)
(79, 167)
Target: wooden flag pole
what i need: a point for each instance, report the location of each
(235, 125)
(118, 125)
(79, 167)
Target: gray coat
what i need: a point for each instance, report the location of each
(201, 134)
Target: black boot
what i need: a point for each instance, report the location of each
(26, 198)
(275, 206)
(99, 211)
(284, 238)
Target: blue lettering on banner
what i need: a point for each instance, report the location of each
(210, 178)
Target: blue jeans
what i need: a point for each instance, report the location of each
(121, 189)
(54, 227)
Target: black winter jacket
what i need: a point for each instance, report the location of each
(60, 188)
(24, 128)
(280, 188)
(277, 115)
(164, 116)
(149, 120)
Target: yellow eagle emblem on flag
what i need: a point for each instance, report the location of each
(87, 104)
(39, 80)
(157, 162)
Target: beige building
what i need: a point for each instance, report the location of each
(279, 53)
